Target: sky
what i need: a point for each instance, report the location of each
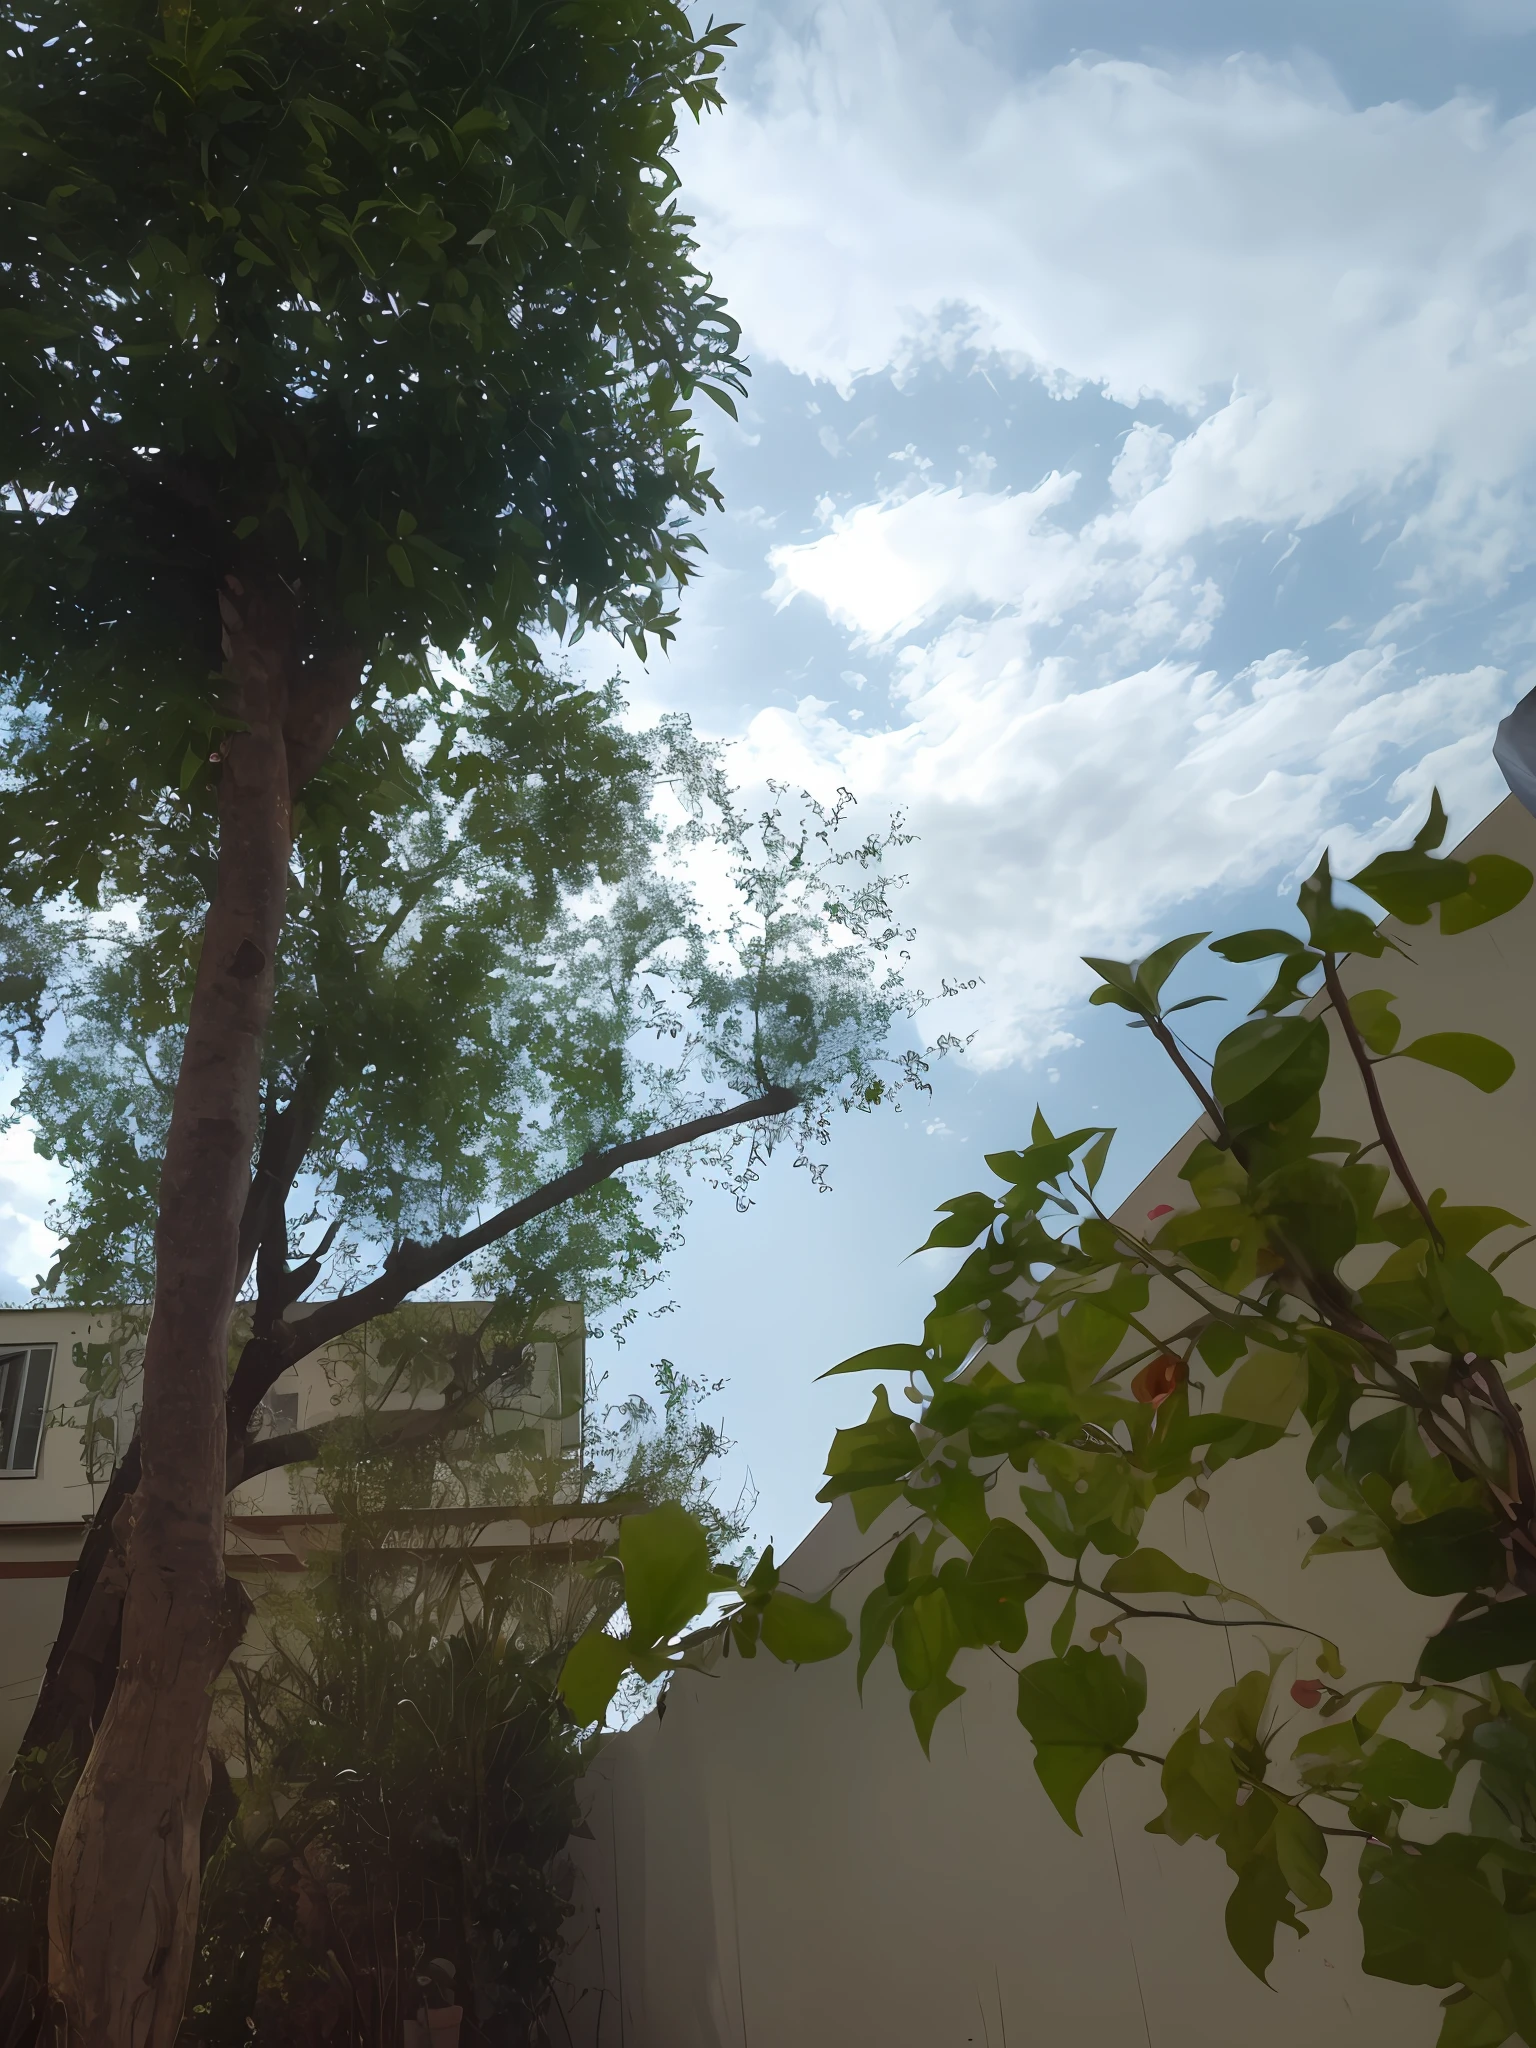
(1134, 489)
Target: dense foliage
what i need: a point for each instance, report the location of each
(404, 1781)
(1306, 1287)
(395, 304)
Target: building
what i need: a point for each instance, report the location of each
(775, 1862)
(69, 1387)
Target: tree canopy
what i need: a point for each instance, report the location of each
(394, 305)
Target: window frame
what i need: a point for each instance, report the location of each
(36, 1384)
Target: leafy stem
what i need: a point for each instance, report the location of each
(1378, 1108)
(1203, 1095)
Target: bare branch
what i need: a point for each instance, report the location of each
(416, 1265)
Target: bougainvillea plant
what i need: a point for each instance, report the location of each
(1077, 1367)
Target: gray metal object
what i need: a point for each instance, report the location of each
(1514, 748)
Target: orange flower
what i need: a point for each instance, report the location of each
(1155, 1382)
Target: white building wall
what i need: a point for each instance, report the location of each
(773, 1865)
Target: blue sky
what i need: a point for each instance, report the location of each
(1134, 488)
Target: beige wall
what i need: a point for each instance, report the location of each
(773, 1865)
(43, 1517)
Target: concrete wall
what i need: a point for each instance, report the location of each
(773, 1865)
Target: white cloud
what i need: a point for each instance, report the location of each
(889, 568)
(1341, 302)
(1342, 299)
(27, 1185)
(1054, 822)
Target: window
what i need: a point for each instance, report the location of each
(24, 1377)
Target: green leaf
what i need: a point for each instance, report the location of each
(1004, 1575)
(878, 1452)
(1410, 883)
(1495, 886)
(1200, 1787)
(906, 1359)
(1268, 1387)
(926, 1639)
(1455, 1551)
(1372, 1011)
(1221, 1347)
(1263, 944)
(1259, 1905)
(1156, 968)
(1333, 929)
(1301, 1849)
(1432, 832)
(1079, 1709)
(869, 1503)
(1191, 1003)
(590, 1675)
(1286, 987)
(803, 1631)
(1474, 1298)
(1313, 1204)
(1119, 978)
(1503, 1634)
(1478, 1060)
(400, 562)
(927, 1703)
(970, 1216)
(667, 1574)
(958, 1502)
(1151, 1571)
(1267, 1068)
(1095, 1157)
(1472, 2023)
(875, 1618)
(1426, 1917)
(1396, 1771)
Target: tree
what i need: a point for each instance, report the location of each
(1311, 1284)
(329, 340)
(461, 1014)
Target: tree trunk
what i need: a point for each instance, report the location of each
(123, 1903)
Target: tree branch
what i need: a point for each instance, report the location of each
(416, 1265)
(318, 709)
(285, 1140)
(1379, 1117)
(1203, 1095)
